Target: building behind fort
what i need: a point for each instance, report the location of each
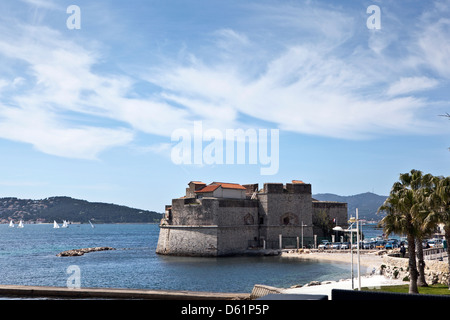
(223, 219)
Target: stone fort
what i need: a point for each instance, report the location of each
(223, 219)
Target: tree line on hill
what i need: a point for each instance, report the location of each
(74, 210)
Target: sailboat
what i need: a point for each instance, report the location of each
(20, 224)
(65, 225)
(91, 224)
(55, 225)
(11, 224)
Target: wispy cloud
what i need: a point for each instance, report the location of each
(301, 67)
(57, 72)
(411, 85)
(322, 86)
(45, 4)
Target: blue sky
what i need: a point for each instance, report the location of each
(90, 112)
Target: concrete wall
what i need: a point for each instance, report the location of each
(232, 193)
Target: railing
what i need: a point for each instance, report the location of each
(263, 244)
(286, 243)
(434, 253)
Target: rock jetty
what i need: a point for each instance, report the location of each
(80, 252)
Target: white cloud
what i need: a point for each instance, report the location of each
(411, 85)
(305, 90)
(62, 81)
(294, 67)
(434, 42)
(46, 4)
(322, 86)
(228, 37)
(48, 135)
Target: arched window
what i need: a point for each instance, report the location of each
(248, 219)
(289, 219)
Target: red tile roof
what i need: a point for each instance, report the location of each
(226, 185)
(213, 186)
(209, 188)
(197, 182)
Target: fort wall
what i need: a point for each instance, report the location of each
(187, 241)
(218, 226)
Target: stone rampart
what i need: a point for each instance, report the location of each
(187, 241)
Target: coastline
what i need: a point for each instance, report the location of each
(368, 260)
(370, 264)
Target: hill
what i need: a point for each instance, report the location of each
(74, 210)
(367, 203)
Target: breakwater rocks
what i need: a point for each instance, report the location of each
(80, 252)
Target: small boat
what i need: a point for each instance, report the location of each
(64, 225)
(11, 224)
(91, 224)
(55, 225)
(20, 224)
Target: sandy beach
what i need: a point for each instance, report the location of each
(368, 260)
(370, 263)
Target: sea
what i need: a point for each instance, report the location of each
(28, 256)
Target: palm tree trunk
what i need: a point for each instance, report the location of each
(412, 265)
(421, 282)
(447, 238)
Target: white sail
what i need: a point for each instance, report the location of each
(65, 225)
(11, 224)
(20, 224)
(91, 224)
(55, 225)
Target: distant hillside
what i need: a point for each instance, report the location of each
(74, 210)
(367, 203)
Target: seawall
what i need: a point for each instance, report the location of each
(397, 268)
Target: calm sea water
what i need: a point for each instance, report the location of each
(28, 257)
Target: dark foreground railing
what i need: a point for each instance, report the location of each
(340, 294)
(105, 293)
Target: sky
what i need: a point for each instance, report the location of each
(126, 102)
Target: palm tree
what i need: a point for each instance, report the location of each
(400, 220)
(421, 185)
(439, 201)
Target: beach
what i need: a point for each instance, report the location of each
(368, 260)
(370, 263)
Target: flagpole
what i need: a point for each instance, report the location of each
(351, 250)
(357, 241)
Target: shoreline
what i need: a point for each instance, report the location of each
(370, 259)
(370, 263)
